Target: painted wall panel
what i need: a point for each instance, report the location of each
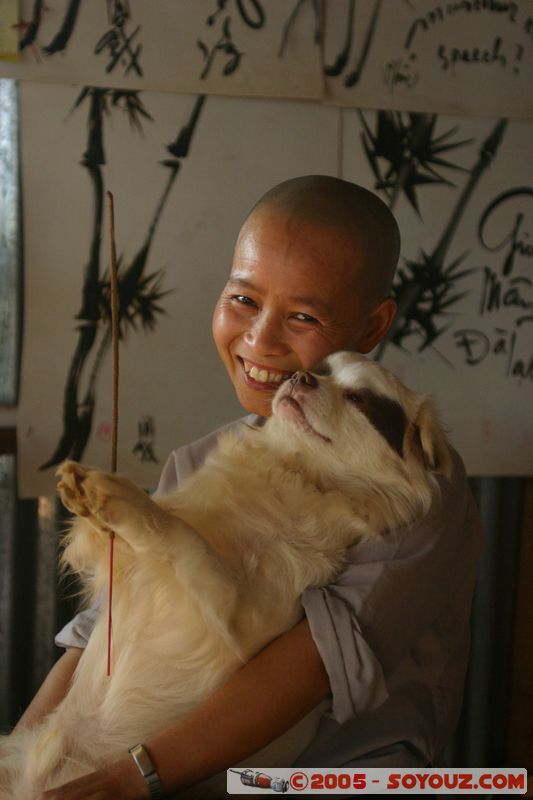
(462, 191)
(234, 48)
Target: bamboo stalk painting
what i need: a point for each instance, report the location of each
(139, 291)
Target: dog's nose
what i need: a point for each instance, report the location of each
(304, 380)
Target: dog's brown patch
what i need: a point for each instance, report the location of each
(387, 416)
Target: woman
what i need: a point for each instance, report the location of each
(388, 644)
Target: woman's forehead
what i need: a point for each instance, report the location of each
(282, 247)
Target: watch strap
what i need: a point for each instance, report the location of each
(145, 766)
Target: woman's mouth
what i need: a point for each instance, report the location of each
(261, 377)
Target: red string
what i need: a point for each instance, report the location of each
(113, 277)
(110, 606)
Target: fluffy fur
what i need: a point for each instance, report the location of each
(205, 577)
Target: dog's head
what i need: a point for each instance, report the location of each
(353, 414)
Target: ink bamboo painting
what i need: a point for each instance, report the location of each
(465, 297)
(426, 287)
(139, 291)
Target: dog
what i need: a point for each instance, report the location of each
(207, 576)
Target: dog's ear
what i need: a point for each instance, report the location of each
(427, 439)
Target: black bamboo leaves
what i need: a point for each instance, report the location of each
(139, 290)
(405, 154)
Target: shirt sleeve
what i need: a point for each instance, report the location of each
(76, 632)
(392, 591)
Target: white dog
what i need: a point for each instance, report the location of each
(205, 577)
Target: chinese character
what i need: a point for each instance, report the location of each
(117, 42)
(146, 433)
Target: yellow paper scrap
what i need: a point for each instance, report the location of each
(9, 17)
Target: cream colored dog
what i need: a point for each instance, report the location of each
(205, 577)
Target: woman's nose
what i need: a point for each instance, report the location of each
(266, 335)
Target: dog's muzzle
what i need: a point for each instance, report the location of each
(303, 380)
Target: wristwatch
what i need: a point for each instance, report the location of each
(147, 770)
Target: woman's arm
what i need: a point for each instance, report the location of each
(267, 696)
(53, 689)
(261, 701)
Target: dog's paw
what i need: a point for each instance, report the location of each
(71, 488)
(104, 498)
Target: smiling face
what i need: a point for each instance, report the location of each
(296, 293)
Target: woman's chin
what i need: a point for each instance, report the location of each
(255, 402)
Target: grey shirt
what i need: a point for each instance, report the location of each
(392, 630)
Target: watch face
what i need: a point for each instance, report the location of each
(147, 770)
(142, 759)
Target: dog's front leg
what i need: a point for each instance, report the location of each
(112, 503)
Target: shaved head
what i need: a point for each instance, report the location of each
(310, 275)
(355, 216)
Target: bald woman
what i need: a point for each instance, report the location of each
(378, 661)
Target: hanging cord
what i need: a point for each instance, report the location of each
(114, 413)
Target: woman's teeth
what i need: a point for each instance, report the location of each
(263, 376)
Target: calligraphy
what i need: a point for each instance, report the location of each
(61, 39)
(224, 45)
(117, 42)
(449, 57)
(517, 239)
(318, 11)
(252, 12)
(503, 50)
(503, 289)
(402, 71)
(341, 62)
(495, 295)
(145, 445)
(441, 12)
(477, 345)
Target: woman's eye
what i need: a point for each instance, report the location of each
(301, 317)
(243, 300)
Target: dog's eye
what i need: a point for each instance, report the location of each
(355, 398)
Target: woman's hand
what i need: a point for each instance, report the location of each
(119, 781)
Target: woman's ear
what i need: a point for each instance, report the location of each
(379, 322)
